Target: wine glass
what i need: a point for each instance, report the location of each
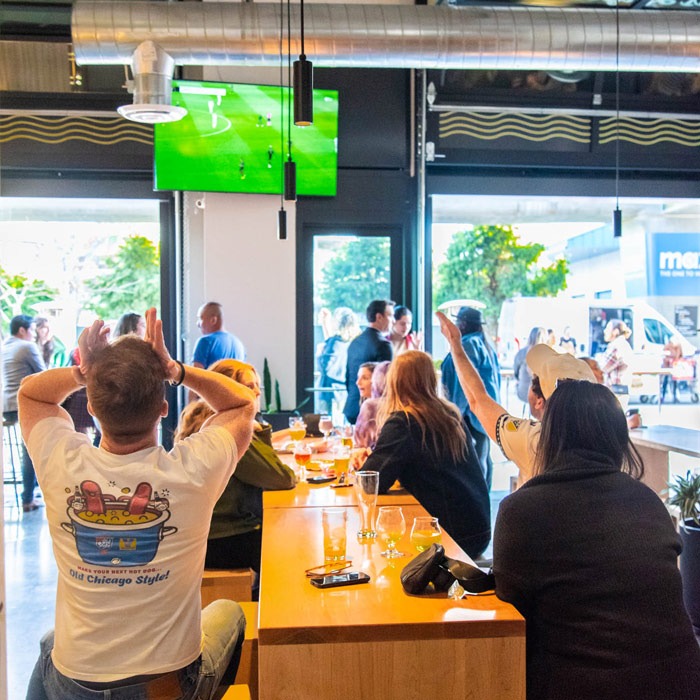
(297, 429)
(391, 527)
(325, 425)
(425, 531)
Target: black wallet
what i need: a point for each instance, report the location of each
(433, 572)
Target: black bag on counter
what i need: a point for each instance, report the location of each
(433, 572)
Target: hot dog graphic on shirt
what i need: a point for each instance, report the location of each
(120, 530)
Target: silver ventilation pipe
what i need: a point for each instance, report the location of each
(392, 36)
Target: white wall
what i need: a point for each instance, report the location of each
(232, 256)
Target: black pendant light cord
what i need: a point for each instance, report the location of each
(281, 103)
(617, 104)
(302, 54)
(289, 82)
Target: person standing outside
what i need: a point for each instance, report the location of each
(216, 343)
(129, 621)
(21, 356)
(471, 325)
(370, 346)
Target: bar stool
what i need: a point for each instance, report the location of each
(12, 455)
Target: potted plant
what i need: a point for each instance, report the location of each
(685, 494)
(275, 414)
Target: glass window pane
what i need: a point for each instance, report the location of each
(349, 271)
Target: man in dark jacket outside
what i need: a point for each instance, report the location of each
(370, 346)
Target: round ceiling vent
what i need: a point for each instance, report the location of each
(152, 113)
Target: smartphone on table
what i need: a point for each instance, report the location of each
(349, 578)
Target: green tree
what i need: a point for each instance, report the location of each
(130, 281)
(357, 273)
(20, 295)
(489, 264)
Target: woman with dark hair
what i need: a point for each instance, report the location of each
(130, 323)
(51, 348)
(424, 443)
(588, 554)
(401, 337)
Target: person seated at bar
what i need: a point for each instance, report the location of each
(517, 437)
(366, 431)
(129, 618)
(588, 555)
(424, 443)
(235, 533)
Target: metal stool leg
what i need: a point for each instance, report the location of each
(11, 449)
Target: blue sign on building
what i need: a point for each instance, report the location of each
(673, 264)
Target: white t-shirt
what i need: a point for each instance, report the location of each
(128, 597)
(518, 439)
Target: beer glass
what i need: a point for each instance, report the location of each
(391, 527)
(425, 531)
(334, 533)
(366, 490)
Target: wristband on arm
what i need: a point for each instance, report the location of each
(180, 379)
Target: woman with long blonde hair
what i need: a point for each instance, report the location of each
(424, 443)
(236, 525)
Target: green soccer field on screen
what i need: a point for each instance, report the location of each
(231, 141)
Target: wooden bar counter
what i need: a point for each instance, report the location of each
(372, 641)
(305, 495)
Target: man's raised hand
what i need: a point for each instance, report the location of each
(154, 337)
(449, 330)
(92, 340)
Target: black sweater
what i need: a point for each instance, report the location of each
(453, 492)
(588, 555)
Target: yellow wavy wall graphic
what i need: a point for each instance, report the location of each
(648, 132)
(105, 131)
(489, 127)
(538, 128)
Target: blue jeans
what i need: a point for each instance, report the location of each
(28, 475)
(223, 628)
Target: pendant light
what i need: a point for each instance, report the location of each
(290, 167)
(617, 214)
(281, 214)
(303, 84)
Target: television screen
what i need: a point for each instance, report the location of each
(230, 141)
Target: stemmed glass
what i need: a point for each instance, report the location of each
(325, 425)
(425, 531)
(297, 429)
(391, 527)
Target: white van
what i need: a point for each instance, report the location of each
(586, 319)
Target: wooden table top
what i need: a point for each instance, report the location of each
(668, 437)
(305, 495)
(292, 611)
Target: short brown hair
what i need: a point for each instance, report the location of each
(125, 388)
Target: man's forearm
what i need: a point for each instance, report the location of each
(220, 392)
(52, 386)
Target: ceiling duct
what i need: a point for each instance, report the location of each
(155, 36)
(392, 36)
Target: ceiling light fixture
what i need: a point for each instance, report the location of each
(152, 68)
(281, 214)
(617, 214)
(303, 84)
(290, 167)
